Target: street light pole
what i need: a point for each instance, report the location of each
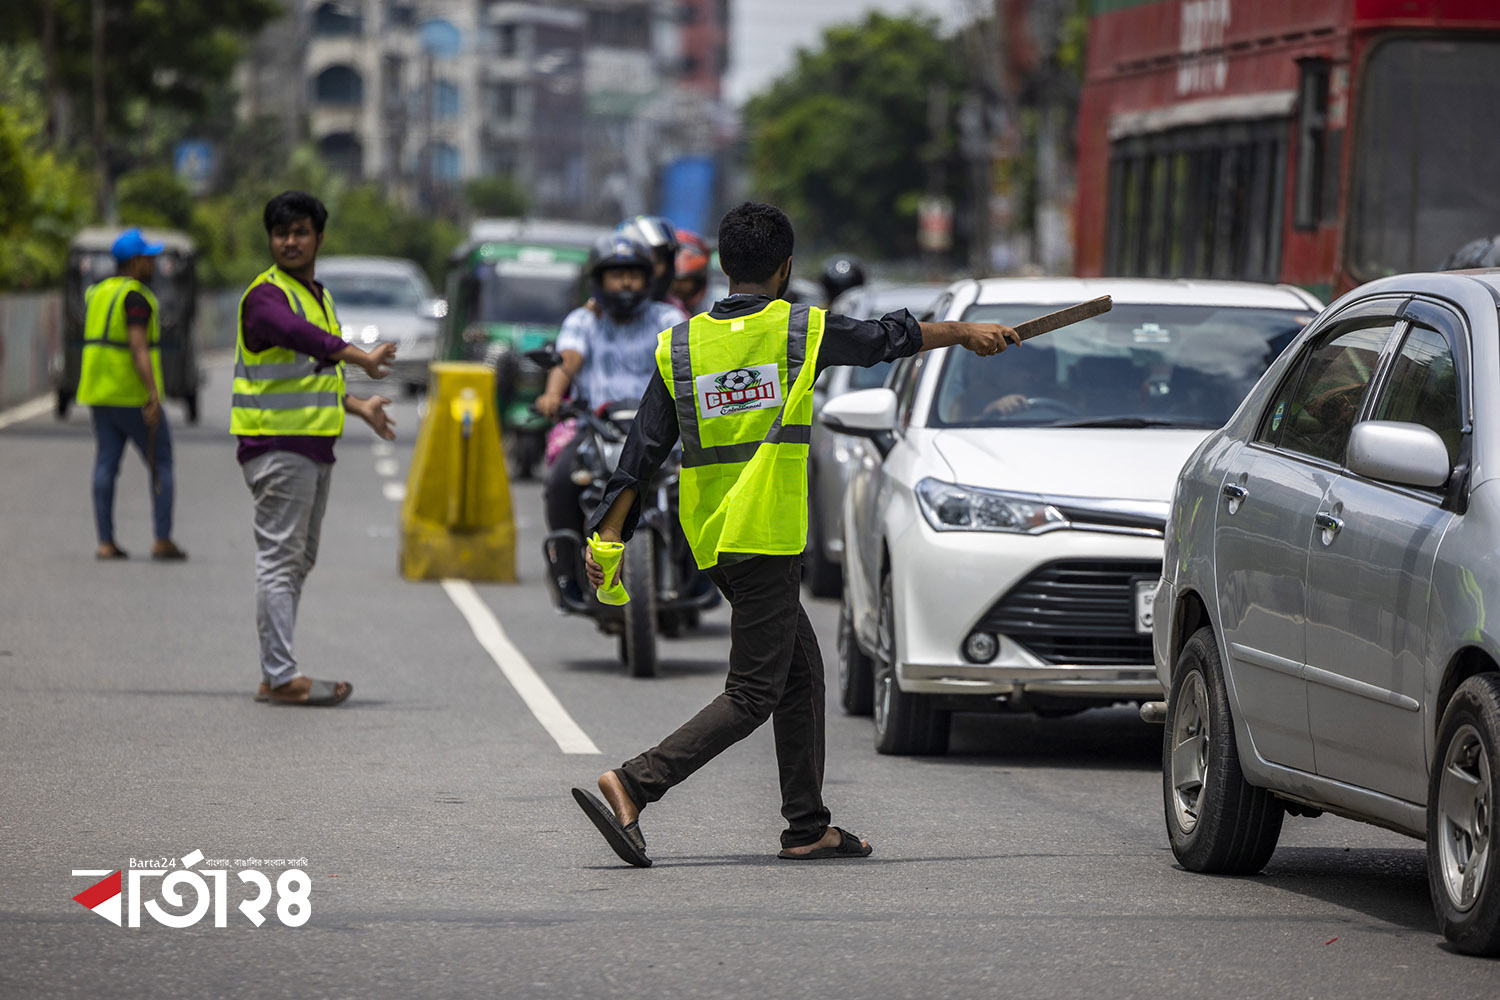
(104, 201)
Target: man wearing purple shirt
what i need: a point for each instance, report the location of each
(289, 401)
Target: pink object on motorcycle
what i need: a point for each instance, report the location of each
(558, 438)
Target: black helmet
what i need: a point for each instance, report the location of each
(657, 234)
(618, 251)
(841, 272)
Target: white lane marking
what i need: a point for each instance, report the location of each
(522, 676)
(394, 491)
(25, 411)
(380, 449)
(387, 467)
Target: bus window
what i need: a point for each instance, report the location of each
(1424, 154)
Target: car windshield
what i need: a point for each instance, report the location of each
(519, 291)
(372, 291)
(1135, 366)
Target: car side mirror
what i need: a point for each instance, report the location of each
(868, 413)
(545, 358)
(1401, 453)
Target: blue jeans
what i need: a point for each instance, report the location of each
(113, 427)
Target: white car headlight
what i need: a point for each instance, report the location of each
(369, 333)
(963, 508)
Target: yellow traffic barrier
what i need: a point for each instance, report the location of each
(456, 520)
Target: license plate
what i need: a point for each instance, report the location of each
(1145, 594)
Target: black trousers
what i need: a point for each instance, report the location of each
(776, 673)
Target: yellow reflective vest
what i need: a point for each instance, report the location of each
(107, 375)
(278, 391)
(743, 391)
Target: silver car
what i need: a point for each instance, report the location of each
(829, 456)
(1321, 622)
(386, 300)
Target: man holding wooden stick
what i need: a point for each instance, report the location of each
(735, 385)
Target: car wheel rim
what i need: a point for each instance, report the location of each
(1464, 818)
(1189, 751)
(884, 658)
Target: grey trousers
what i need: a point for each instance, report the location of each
(290, 493)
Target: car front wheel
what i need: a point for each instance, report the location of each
(1461, 795)
(856, 686)
(904, 723)
(1216, 820)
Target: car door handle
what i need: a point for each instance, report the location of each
(1234, 492)
(1329, 523)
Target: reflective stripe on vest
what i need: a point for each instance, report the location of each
(278, 391)
(744, 477)
(107, 375)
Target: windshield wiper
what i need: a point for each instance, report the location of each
(1196, 423)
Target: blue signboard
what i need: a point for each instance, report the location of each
(193, 163)
(687, 192)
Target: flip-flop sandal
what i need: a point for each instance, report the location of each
(627, 841)
(847, 847)
(321, 693)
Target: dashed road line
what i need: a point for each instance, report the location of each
(394, 490)
(25, 411)
(522, 676)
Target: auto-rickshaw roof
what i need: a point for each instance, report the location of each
(102, 238)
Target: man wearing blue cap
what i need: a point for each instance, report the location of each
(121, 380)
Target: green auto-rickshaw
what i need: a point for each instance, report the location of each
(509, 288)
(175, 286)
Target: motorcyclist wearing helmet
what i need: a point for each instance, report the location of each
(841, 272)
(608, 353)
(691, 283)
(657, 234)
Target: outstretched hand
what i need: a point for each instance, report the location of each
(377, 363)
(985, 339)
(373, 412)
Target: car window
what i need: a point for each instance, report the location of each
(869, 378)
(1423, 388)
(1316, 408)
(374, 291)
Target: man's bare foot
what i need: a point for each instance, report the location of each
(619, 800)
(831, 838)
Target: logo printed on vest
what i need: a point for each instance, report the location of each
(739, 390)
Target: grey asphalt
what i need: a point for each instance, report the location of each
(447, 858)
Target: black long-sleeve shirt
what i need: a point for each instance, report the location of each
(846, 341)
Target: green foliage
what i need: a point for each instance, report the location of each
(497, 196)
(842, 141)
(153, 196)
(43, 201)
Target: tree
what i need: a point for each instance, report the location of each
(843, 142)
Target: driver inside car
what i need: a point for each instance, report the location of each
(996, 386)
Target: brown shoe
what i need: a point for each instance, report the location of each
(109, 550)
(167, 552)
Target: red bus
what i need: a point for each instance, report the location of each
(1318, 142)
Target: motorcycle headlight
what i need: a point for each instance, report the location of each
(963, 508)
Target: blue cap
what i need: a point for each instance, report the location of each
(132, 244)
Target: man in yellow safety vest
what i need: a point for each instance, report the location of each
(120, 379)
(735, 384)
(287, 411)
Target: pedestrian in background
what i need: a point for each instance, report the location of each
(735, 384)
(288, 410)
(120, 379)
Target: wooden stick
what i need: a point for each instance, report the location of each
(1064, 317)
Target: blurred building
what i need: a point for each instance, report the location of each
(582, 102)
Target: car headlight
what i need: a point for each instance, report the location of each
(369, 333)
(963, 508)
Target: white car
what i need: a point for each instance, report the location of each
(1003, 524)
(386, 300)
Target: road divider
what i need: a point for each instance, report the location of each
(514, 665)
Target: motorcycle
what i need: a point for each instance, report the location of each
(668, 593)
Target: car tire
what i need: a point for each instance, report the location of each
(61, 403)
(192, 407)
(905, 723)
(856, 680)
(1462, 867)
(1217, 821)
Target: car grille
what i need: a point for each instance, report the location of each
(1078, 611)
